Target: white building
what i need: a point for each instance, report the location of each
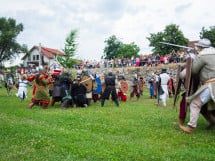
(39, 55)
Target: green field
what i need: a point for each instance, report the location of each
(134, 131)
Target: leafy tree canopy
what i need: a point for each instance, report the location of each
(171, 34)
(9, 47)
(128, 50)
(116, 49)
(112, 47)
(209, 34)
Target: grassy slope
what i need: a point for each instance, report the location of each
(134, 131)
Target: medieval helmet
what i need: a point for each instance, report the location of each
(110, 73)
(163, 70)
(205, 43)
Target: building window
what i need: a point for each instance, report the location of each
(34, 57)
(38, 57)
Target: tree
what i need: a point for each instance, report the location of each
(128, 50)
(9, 47)
(209, 34)
(171, 34)
(70, 47)
(116, 49)
(112, 47)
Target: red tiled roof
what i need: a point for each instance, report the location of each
(48, 52)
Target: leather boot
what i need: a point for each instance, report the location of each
(181, 121)
(187, 129)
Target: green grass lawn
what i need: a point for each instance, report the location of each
(134, 131)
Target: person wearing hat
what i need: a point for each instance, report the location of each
(163, 92)
(202, 66)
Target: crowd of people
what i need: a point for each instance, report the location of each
(59, 86)
(142, 60)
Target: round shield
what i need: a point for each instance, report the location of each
(124, 86)
(87, 82)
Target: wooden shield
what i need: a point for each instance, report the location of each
(87, 82)
(188, 76)
(178, 84)
(124, 86)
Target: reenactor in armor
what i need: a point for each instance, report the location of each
(66, 85)
(141, 83)
(202, 66)
(9, 82)
(62, 89)
(110, 89)
(79, 93)
(41, 95)
(122, 89)
(135, 88)
(22, 87)
(164, 86)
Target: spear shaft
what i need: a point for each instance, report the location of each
(181, 46)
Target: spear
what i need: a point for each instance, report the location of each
(181, 46)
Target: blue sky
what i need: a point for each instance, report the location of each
(50, 21)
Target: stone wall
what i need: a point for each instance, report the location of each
(145, 71)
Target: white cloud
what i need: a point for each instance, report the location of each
(49, 22)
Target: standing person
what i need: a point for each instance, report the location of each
(151, 86)
(135, 88)
(122, 89)
(22, 87)
(9, 82)
(182, 77)
(156, 87)
(110, 89)
(204, 67)
(141, 84)
(41, 91)
(96, 92)
(164, 81)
